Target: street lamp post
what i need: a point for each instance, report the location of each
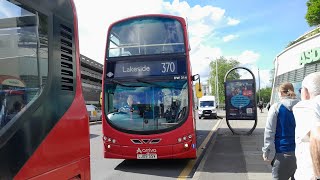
(217, 84)
(259, 84)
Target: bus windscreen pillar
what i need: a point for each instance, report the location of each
(240, 100)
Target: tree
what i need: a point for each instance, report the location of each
(313, 13)
(224, 65)
(265, 94)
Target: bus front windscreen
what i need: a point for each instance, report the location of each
(146, 36)
(145, 106)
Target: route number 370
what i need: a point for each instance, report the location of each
(168, 67)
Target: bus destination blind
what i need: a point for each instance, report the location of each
(146, 68)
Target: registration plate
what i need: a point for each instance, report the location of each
(147, 156)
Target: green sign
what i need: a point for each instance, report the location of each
(310, 56)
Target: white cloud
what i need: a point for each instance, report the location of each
(201, 58)
(229, 38)
(233, 22)
(264, 78)
(95, 16)
(196, 13)
(8, 9)
(263, 75)
(249, 59)
(202, 20)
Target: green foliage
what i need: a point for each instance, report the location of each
(224, 65)
(309, 34)
(313, 13)
(265, 94)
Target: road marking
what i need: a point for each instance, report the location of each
(187, 170)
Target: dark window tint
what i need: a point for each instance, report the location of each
(206, 103)
(146, 36)
(23, 59)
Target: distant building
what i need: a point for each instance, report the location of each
(91, 77)
(206, 89)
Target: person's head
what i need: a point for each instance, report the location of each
(310, 86)
(130, 100)
(286, 90)
(16, 107)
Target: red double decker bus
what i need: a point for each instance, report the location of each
(44, 128)
(147, 90)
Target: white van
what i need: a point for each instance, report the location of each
(207, 107)
(94, 113)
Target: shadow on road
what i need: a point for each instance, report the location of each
(164, 168)
(210, 119)
(232, 153)
(93, 136)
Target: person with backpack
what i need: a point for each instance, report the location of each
(279, 136)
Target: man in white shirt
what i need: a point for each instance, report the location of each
(307, 116)
(315, 150)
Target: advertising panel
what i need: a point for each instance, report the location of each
(240, 100)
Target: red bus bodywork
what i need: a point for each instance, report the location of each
(50, 139)
(119, 144)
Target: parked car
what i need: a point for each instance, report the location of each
(94, 113)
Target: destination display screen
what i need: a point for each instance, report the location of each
(145, 68)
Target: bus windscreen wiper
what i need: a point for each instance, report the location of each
(119, 83)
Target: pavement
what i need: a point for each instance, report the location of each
(232, 156)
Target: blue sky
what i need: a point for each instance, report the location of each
(265, 28)
(251, 31)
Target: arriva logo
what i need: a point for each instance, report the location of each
(146, 150)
